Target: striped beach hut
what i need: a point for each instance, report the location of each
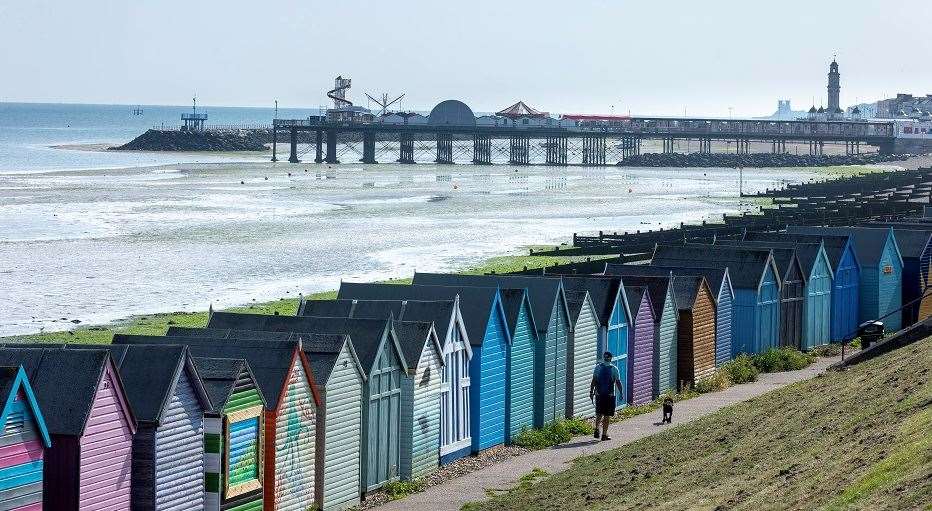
(756, 282)
(881, 285)
(339, 380)
(232, 433)
(283, 377)
(519, 373)
(845, 272)
(484, 320)
(915, 243)
(613, 319)
(90, 424)
(169, 402)
(582, 353)
(720, 284)
(641, 348)
(551, 317)
(792, 291)
(383, 361)
(454, 440)
(22, 443)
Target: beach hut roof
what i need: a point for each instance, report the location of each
(783, 256)
(575, 301)
(477, 304)
(12, 380)
(635, 294)
(512, 300)
(603, 291)
(219, 376)
(656, 284)
(323, 351)
(685, 289)
(746, 267)
(270, 363)
(65, 383)
(326, 308)
(412, 335)
(366, 334)
(543, 292)
(867, 241)
(806, 253)
(912, 239)
(713, 276)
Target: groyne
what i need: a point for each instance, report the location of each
(754, 160)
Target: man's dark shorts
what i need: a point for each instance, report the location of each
(605, 405)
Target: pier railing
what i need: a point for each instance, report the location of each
(216, 127)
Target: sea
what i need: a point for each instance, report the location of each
(89, 236)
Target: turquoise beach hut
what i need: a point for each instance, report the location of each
(25, 439)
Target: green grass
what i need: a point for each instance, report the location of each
(781, 359)
(858, 439)
(552, 433)
(401, 489)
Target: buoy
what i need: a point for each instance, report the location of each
(266, 178)
(629, 190)
(289, 174)
(242, 182)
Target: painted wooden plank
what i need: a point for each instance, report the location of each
(724, 316)
(179, 450)
(294, 447)
(521, 375)
(584, 350)
(666, 346)
(380, 458)
(640, 356)
(420, 416)
(339, 437)
(487, 394)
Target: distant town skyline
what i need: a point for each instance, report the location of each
(714, 58)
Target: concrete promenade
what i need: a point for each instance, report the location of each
(451, 495)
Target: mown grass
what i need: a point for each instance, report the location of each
(845, 440)
(157, 324)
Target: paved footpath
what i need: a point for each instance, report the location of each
(452, 494)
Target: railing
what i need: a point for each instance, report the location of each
(193, 117)
(216, 127)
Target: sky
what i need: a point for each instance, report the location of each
(708, 57)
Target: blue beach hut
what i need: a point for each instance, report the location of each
(915, 242)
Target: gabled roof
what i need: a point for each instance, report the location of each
(636, 295)
(413, 335)
(271, 364)
(715, 277)
(746, 267)
(575, 301)
(868, 241)
(65, 383)
(543, 292)
(150, 374)
(12, 381)
(658, 287)
(219, 375)
(326, 308)
(603, 291)
(367, 334)
(912, 239)
(834, 245)
(512, 301)
(686, 288)
(477, 304)
(520, 109)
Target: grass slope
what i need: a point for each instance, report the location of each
(855, 440)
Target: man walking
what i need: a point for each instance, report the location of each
(605, 379)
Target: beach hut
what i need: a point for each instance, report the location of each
(383, 361)
(756, 283)
(232, 432)
(484, 320)
(792, 291)
(612, 317)
(641, 348)
(845, 282)
(169, 403)
(24, 441)
(339, 380)
(454, 440)
(519, 372)
(551, 317)
(582, 353)
(695, 328)
(719, 282)
(881, 276)
(90, 424)
(283, 377)
(915, 243)
(665, 318)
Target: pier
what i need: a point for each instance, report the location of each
(583, 143)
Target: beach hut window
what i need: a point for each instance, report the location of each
(242, 452)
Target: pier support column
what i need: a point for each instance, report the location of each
(293, 157)
(332, 147)
(481, 150)
(668, 145)
(319, 146)
(444, 148)
(556, 150)
(368, 147)
(406, 148)
(594, 150)
(519, 150)
(274, 143)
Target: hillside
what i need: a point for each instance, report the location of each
(855, 440)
